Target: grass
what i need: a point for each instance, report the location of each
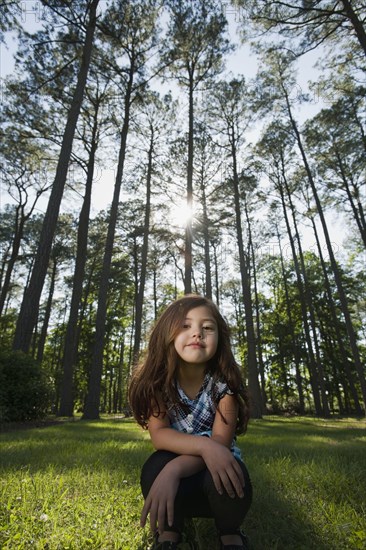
(75, 485)
(309, 477)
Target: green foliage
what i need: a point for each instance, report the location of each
(7, 327)
(282, 338)
(196, 41)
(24, 391)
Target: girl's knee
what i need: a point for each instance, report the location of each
(222, 504)
(152, 467)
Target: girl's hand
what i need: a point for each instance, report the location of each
(225, 470)
(159, 502)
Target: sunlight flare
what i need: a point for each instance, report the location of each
(181, 214)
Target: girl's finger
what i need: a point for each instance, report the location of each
(170, 512)
(236, 481)
(153, 517)
(144, 513)
(217, 483)
(225, 479)
(161, 519)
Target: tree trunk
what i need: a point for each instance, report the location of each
(335, 322)
(356, 23)
(257, 407)
(47, 314)
(118, 397)
(188, 231)
(206, 237)
(295, 347)
(256, 305)
(313, 373)
(18, 234)
(336, 271)
(259, 334)
(358, 212)
(310, 308)
(144, 255)
(91, 410)
(29, 307)
(71, 341)
(217, 285)
(5, 256)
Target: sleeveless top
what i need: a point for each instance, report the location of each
(197, 415)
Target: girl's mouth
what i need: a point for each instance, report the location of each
(196, 345)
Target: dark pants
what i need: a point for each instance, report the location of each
(198, 497)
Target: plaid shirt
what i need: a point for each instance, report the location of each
(197, 415)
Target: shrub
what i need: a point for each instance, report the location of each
(25, 393)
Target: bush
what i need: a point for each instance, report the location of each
(25, 393)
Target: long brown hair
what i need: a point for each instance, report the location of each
(153, 381)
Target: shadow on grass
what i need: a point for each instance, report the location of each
(273, 523)
(309, 483)
(101, 444)
(340, 430)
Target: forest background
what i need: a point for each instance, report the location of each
(245, 186)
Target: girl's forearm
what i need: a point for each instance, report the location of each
(168, 439)
(186, 465)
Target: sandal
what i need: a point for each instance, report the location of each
(165, 545)
(243, 546)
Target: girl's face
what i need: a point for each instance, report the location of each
(197, 342)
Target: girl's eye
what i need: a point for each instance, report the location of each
(208, 328)
(186, 325)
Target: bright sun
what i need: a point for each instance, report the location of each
(181, 214)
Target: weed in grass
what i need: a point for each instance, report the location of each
(76, 486)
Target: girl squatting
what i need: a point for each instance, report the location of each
(189, 394)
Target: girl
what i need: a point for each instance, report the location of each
(190, 396)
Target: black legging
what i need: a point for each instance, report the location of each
(198, 497)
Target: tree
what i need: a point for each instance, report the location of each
(96, 96)
(22, 174)
(194, 50)
(29, 308)
(150, 127)
(280, 81)
(249, 198)
(313, 21)
(276, 142)
(9, 12)
(60, 255)
(229, 106)
(133, 37)
(340, 156)
(336, 324)
(208, 165)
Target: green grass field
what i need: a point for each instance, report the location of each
(74, 485)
